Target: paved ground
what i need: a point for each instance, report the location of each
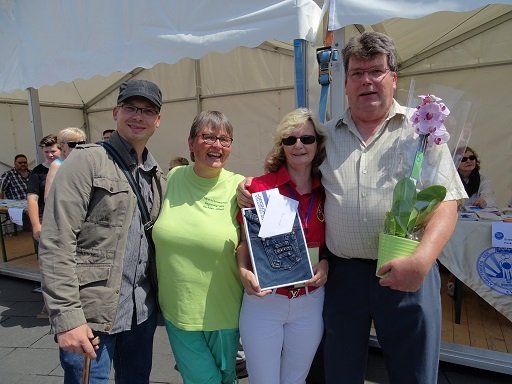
(28, 355)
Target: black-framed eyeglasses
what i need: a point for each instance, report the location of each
(304, 139)
(376, 73)
(211, 139)
(466, 158)
(73, 144)
(133, 110)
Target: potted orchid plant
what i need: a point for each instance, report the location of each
(411, 208)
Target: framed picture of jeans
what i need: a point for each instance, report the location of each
(280, 260)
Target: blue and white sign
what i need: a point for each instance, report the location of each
(494, 266)
(501, 234)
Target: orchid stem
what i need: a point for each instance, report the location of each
(418, 159)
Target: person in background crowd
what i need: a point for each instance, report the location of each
(36, 183)
(35, 195)
(177, 161)
(477, 186)
(13, 183)
(195, 237)
(282, 328)
(67, 140)
(107, 134)
(95, 256)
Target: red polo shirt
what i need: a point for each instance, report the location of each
(311, 205)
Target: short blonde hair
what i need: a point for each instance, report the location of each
(70, 134)
(290, 122)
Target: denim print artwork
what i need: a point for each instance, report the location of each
(277, 260)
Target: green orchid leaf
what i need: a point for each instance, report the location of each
(434, 192)
(411, 209)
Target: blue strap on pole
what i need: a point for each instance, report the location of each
(323, 57)
(300, 73)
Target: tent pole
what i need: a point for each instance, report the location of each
(35, 122)
(337, 90)
(301, 70)
(199, 85)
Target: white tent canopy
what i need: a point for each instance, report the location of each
(58, 40)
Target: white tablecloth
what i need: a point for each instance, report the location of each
(486, 270)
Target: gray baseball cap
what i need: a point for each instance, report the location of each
(142, 88)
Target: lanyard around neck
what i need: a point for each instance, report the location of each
(310, 206)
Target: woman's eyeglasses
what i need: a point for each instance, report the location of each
(73, 144)
(211, 139)
(466, 158)
(304, 139)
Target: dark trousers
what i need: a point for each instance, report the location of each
(408, 325)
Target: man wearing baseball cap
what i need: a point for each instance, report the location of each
(96, 257)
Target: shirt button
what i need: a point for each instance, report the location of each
(363, 194)
(365, 171)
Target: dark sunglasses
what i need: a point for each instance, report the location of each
(464, 159)
(73, 144)
(304, 139)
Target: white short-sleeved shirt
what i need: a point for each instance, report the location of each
(359, 179)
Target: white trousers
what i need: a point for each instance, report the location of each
(280, 336)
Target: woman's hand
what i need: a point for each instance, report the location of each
(250, 284)
(480, 202)
(243, 196)
(321, 270)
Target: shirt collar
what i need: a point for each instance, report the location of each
(396, 109)
(283, 177)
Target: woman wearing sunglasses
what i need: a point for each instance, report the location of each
(477, 186)
(67, 140)
(282, 328)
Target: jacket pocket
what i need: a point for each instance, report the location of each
(92, 273)
(109, 202)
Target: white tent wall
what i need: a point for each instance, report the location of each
(17, 134)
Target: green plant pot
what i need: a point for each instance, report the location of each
(391, 247)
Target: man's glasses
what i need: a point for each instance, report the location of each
(210, 139)
(376, 73)
(73, 144)
(464, 159)
(131, 110)
(304, 139)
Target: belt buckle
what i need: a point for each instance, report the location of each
(294, 292)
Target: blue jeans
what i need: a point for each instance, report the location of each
(279, 260)
(130, 351)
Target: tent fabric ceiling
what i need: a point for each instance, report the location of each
(346, 12)
(98, 38)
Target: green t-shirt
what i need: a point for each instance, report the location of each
(195, 237)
